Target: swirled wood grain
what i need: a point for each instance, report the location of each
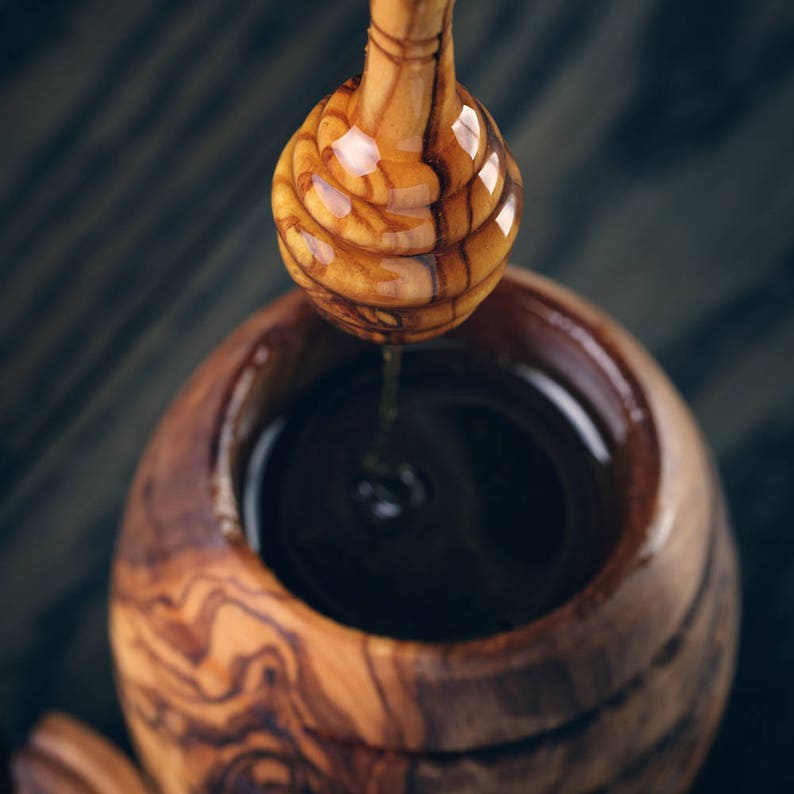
(397, 201)
(229, 682)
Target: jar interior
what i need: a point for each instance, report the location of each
(507, 492)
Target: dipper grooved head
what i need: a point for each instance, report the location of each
(397, 201)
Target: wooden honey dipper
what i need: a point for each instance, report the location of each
(397, 201)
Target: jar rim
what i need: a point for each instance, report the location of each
(598, 348)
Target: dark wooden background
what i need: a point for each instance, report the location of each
(656, 139)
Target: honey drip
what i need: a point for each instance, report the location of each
(389, 489)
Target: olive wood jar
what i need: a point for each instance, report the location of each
(231, 683)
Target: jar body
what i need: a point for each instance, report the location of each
(229, 682)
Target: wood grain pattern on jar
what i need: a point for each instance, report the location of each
(229, 682)
(397, 201)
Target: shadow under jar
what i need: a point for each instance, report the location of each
(575, 634)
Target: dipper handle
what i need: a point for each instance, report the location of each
(397, 201)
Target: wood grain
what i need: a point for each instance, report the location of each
(397, 201)
(228, 679)
(656, 141)
(64, 757)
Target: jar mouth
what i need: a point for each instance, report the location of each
(526, 320)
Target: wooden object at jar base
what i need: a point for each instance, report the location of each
(62, 756)
(230, 683)
(397, 201)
